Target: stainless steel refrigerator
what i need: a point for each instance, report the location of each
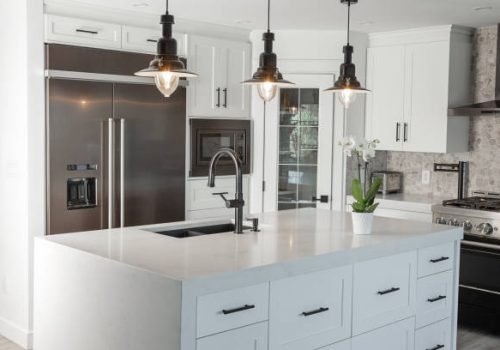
(115, 155)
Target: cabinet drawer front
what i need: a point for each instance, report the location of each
(343, 345)
(220, 312)
(434, 298)
(384, 291)
(247, 338)
(83, 32)
(436, 259)
(311, 311)
(140, 39)
(397, 336)
(436, 336)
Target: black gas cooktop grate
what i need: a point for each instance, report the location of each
(479, 203)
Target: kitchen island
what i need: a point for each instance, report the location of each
(303, 282)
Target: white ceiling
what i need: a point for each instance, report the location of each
(367, 16)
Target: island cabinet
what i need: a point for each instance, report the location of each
(415, 76)
(221, 66)
(304, 282)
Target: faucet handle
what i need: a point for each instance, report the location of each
(255, 224)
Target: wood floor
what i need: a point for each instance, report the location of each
(467, 340)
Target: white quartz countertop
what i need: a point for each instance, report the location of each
(285, 237)
(406, 201)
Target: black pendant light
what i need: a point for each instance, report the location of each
(347, 86)
(166, 68)
(268, 78)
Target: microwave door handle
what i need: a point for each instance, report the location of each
(111, 171)
(122, 172)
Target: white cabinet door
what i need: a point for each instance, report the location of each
(310, 311)
(384, 291)
(436, 336)
(145, 40)
(82, 32)
(434, 298)
(237, 96)
(247, 338)
(222, 65)
(386, 103)
(397, 336)
(425, 124)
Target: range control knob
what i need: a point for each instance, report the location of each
(485, 228)
(441, 221)
(467, 225)
(455, 222)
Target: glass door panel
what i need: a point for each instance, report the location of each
(298, 147)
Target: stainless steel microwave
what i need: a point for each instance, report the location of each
(210, 135)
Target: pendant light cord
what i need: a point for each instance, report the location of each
(268, 16)
(348, 19)
(167, 6)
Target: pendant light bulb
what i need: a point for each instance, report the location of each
(268, 78)
(167, 83)
(347, 97)
(166, 68)
(347, 86)
(267, 91)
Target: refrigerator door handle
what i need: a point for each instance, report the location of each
(111, 171)
(122, 172)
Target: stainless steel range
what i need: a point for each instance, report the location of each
(479, 297)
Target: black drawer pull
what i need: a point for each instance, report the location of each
(443, 258)
(239, 309)
(437, 347)
(152, 40)
(433, 300)
(314, 312)
(87, 31)
(388, 291)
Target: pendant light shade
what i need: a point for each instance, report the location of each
(347, 87)
(268, 78)
(166, 68)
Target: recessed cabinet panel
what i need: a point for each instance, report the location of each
(247, 338)
(232, 309)
(384, 291)
(311, 311)
(397, 336)
(386, 103)
(436, 259)
(435, 336)
(434, 298)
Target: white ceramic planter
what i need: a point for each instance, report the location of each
(362, 223)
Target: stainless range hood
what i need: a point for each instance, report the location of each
(488, 107)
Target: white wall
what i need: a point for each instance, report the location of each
(21, 160)
(305, 52)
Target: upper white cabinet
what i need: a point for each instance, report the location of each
(221, 65)
(84, 32)
(415, 76)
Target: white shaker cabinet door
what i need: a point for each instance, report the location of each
(236, 97)
(427, 101)
(397, 336)
(385, 105)
(247, 338)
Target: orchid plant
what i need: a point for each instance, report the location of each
(364, 195)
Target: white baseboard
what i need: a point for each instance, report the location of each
(16, 334)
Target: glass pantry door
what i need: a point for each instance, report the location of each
(305, 132)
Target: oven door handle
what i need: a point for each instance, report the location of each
(470, 244)
(489, 291)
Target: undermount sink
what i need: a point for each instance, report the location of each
(199, 231)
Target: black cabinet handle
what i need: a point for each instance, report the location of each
(225, 98)
(238, 309)
(433, 300)
(87, 31)
(152, 40)
(405, 132)
(398, 127)
(437, 347)
(218, 97)
(321, 199)
(388, 291)
(314, 312)
(443, 258)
